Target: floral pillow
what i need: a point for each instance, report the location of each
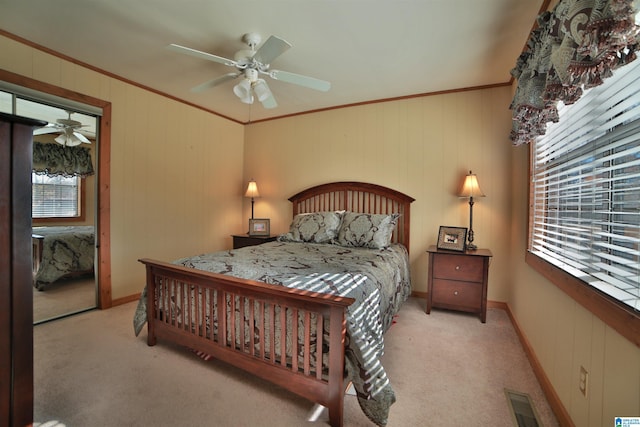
(367, 230)
(317, 227)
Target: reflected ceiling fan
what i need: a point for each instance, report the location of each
(69, 131)
(251, 64)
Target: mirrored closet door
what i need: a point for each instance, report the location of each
(64, 200)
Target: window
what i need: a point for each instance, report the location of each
(56, 197)
(585, 189)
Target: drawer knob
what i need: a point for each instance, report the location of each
(457, 267)
(455, 292)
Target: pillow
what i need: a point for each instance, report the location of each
(367, 230)
(316, 227)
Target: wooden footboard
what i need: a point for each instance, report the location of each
(253, 325)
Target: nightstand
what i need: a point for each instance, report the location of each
(458, 280)
(242, 240)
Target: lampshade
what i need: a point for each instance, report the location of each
(243, 91)
(262, 90)
(67, 139)
(252, 190)
(471, 188)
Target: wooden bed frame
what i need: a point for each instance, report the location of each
(234, 342)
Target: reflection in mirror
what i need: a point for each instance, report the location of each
(63, 210)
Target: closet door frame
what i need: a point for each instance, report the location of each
(103, 264)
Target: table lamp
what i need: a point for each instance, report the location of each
(471, 189)
(252, 191)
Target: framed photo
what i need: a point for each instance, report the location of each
(259, 227)
(452, 238)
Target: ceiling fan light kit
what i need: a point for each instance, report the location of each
(69, 136)
(251, 63)
(68, 141)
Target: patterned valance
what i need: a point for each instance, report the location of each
(55, 159)
(574, 47)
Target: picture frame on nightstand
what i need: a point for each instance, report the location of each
(452, 238)
(259, 227)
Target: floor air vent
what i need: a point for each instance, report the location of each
(522, 410)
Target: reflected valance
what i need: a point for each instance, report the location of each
(55, 159)
(574, 47)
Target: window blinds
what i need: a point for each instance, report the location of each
(585, 215)
(55, 197)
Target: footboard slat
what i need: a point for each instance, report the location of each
(307, 342)
(261, 329)
(283, 337)
(222, 319)
(189, 314)
(272, 335)
(242, 325)
(252, 319)
(199, 307)
(210, 294)
(179, 303)
(232, 322)
(294, 342)
(319, 346)
(273, 332)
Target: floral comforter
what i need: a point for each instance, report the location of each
(65, 250)
(378, 279)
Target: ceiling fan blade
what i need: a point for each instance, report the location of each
(47, 129)
(300, 80)
(269, 102)
(271, 49)
(215, 82)
(81, 137)
(264, 94)
(202, 55)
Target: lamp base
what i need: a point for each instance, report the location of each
(471, 247)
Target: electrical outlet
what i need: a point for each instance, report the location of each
(583, 381)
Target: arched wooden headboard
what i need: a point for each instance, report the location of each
(357, 197)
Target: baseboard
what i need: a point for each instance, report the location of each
(497, 304)
(125, 300)
(422, 295)
(552, 397)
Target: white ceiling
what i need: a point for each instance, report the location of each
(368, 49)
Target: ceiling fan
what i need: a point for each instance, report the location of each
(251, 64)
(69, 131)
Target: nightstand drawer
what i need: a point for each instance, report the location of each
(457, 267)
(457, 295)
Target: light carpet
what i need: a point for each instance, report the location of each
(447, 368)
